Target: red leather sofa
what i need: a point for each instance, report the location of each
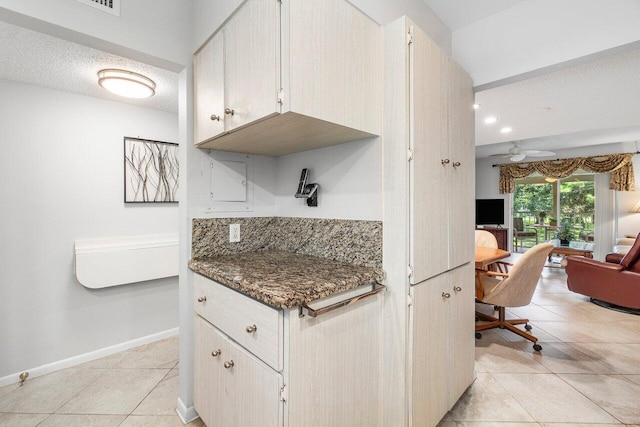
(616, 281)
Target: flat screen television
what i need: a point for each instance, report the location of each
(489, 211)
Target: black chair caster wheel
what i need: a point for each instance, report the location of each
(478, 335)
(537, 347)
(528, 327)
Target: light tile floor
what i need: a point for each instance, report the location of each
(137, 387)
(588, 374)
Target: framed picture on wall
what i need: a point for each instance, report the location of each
(150, 171)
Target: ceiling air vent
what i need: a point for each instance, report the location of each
(110, 6)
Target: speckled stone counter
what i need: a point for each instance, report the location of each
(353, 242)
(283, 279)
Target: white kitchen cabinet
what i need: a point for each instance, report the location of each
(428, 228)
(442, 166)
(251, 69)
(208, 68)
(329, 365)
(233, 388)
(442, 320)
(297, 75)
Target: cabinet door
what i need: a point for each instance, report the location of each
(336, 69)
(246, 393)
(208, 68)
(252, 63)
(429, 170)
(208, 373)
(253, 399)
(462, 170)
(461, 331)
(429, 322)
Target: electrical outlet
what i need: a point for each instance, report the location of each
(234, 233)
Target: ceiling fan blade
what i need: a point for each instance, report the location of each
(539, 153)
(501, 155)
(517, 157)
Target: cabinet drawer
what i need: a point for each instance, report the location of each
(236, 315)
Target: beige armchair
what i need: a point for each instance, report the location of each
(519, 233)
(514, 289)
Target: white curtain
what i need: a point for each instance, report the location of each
(605, 217)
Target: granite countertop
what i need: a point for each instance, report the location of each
(284, 279)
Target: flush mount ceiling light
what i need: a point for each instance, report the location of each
(126, 83)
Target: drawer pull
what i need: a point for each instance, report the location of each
(445, 161)
(456, 164)
(202, 299)
(317, 312)
(229, 364)
(457, 289)
(215, 118)
(446, 295)
(251, 329)
(216, 353)
(229, 111)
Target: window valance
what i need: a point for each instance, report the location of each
(620, 166)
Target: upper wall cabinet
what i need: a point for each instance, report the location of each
(290, 76)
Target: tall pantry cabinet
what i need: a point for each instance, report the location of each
(428, 225)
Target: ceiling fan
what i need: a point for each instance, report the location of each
(517, 154)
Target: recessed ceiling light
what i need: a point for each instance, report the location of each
(506, 129)
(490, 120)
(476, 106)
(126, 83)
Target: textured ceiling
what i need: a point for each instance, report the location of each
(30, 57)
(593, 103)
(457, 14)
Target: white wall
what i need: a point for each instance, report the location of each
(539, 33)
(158, 32)
(210, 14)
(350, 178)
(62, 179)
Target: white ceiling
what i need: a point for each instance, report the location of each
(595, 103)
(30, 57)
(592, 103)
(457, 14)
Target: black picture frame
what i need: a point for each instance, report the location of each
(151, 171)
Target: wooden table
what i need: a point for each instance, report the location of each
(547, 229)
(485, 257)
(564, 251)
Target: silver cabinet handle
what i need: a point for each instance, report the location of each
(229, 364)
(445, 161)
(202, 299)
(229, 111)
(456, 164)
(251, 329)
(216, 353)
(446, 295)
(215, 118)
(457, 288)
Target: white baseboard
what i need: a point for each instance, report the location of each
(186, 414)
(87, 357)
